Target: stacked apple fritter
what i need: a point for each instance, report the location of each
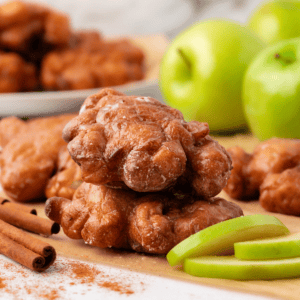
(150, 177)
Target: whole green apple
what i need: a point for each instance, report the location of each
(201, 72)
(276, 20)
(271, 91)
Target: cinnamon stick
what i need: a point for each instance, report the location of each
(18, 206)
(25, 249)
(28, 221)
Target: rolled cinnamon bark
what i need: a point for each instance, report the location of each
(18, 206)
(25, 249)
(28, 221)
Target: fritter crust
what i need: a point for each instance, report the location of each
(66, 179)
(267, 174)
(144, 144)
(152, 223)
(29, 155)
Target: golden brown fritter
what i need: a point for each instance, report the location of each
(92, 62)
(152, 223)
(9, 128)
(32, 29)
(66, 179)
(16, 75)
(144, 144)
(29, 158)
(267, 174)
(280, 192)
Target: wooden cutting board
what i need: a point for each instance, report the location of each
(157, 265)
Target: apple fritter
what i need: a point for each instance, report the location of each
(9, 128)
(145, 222)
(29, 155)
(280, 192)
(267, 174)
(32, 29)
(16, 75)
(144, 144)
(92, 62)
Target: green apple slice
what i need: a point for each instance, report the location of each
(229, 267)
(282, 247)
(220, 238)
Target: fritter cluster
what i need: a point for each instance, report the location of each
(48, 54)
(270, 173)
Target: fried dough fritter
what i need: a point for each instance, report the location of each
(152, 223)
(280, 192)
(29, 155)
(16, 75)
(9, 128)
(92, 62)
(32, 29)
(270, 173)
(144, 144)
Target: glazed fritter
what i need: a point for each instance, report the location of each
(143, 144)
(270, 173)
(32, 29)
(29, 155)
(145, 222)
(92, 62)
(16, 75)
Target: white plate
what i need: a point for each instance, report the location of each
(34, 104)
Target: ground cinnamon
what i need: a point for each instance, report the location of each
(2, 285)
(66, 279)
(87, 274)
(25, 249)
(18, 206)
(28, 221)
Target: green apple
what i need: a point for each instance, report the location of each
(220, 238)
(271, 91)
(276, 20)
(273, 248)
(201, 72)
(229, 267)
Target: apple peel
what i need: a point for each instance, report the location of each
(229, 267)
(272, 248)
(220, 238)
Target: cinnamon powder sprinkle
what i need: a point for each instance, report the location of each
(87, 274)
(65, 278)
(2, 285)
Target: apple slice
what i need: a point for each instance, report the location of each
(282, 247)
(229, 267)
(220, 238)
